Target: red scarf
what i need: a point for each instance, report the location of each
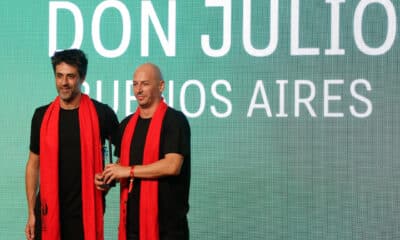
(148, 204)
(91, 162)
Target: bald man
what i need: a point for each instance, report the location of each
(154, 166)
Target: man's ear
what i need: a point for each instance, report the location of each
(162, 85)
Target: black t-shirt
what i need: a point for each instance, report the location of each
(70, 192)
(173, 191)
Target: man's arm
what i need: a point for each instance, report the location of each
(170, 165)
(31, 185)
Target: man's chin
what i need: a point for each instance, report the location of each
(65, 97)
(68, 96)
(143, 106)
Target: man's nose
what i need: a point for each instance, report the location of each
(63, 80)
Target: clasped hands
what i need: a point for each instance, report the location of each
(112, 171)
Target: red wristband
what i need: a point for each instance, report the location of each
(131, 176)
(131, 172)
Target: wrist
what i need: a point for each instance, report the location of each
(132, 171)
(131, 177)
(31, 214)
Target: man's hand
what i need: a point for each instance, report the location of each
(115, 171)
(30, 227)
(99, 182)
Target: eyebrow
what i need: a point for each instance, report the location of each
(66, 74)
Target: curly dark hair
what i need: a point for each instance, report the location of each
(73, 57)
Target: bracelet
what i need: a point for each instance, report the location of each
(131, 172)
(131, 177)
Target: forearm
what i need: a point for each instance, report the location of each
(168, 166)
(31, 181)
(150, 171)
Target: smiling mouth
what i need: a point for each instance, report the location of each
(65, 90)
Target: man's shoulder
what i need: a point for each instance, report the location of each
(172, 112)
(38, 115)
(126, 119)
(175, 116)
(102, 108)
(43, 107)
(99, 104)
(39, 111)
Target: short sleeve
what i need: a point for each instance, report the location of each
(37, 118)
(120, 132)
(176, 137)
(111, 125)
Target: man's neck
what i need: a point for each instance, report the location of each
(71, 104)
(148, 112)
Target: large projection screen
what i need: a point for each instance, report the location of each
(293, 106)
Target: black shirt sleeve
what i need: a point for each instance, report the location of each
(108, 122)
(111, 125)
(176, 134)
(120, 133)
(37, 119)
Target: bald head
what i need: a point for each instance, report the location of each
(150, 69)
(148, 85)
